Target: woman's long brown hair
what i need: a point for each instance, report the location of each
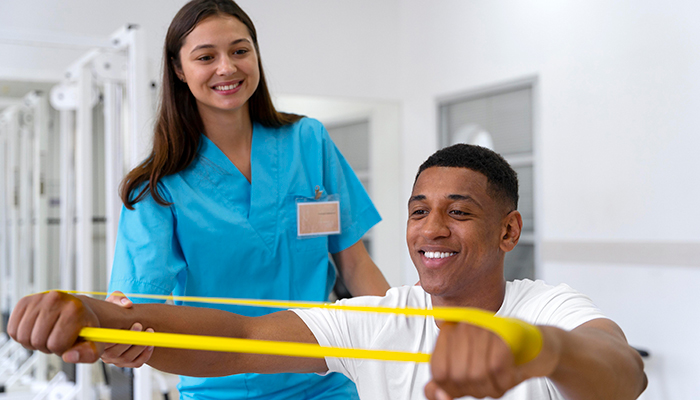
(179, 125)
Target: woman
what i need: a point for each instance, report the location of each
(213, 210)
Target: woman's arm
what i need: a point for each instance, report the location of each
(361, 275)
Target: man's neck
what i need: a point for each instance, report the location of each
(484, 296)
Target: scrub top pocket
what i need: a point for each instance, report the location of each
(301, 244)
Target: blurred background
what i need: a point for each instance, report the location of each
(594, 103)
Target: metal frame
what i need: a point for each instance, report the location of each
(4, 221)
(120, 70)
(11, 116)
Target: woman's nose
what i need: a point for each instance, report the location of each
(226, 67)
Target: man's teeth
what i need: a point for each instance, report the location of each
(227, 87)
(437, 254)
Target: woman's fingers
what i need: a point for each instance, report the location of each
(119, 299)
(123, 355)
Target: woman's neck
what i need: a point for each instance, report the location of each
(232, 133)
(229, 130)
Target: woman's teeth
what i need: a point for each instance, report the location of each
(227, 87)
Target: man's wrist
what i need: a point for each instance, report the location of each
(109, 315)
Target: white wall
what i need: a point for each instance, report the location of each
(617, 137)
(655, 305)
(309, 47)
(619, 90)
(329, 48)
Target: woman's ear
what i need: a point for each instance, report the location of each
(178, 70)
(510, 232)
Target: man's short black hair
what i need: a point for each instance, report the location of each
(502, 179)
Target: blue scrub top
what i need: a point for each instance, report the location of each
(226, 237)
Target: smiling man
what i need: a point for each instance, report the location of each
(462, 221)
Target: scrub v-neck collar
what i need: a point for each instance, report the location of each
(213, 153)
(263, 200)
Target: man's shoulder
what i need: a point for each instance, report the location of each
(397, 297)
(540, 303)
(527, 289)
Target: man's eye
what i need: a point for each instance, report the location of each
(459, 213)
(419, 212)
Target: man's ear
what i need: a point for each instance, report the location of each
(511, 228)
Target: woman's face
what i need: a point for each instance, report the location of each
(220, 65)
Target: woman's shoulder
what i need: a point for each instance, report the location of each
(306, 130)
(162, 187)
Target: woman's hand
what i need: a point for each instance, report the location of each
(124, 355)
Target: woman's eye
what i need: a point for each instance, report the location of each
(204, 58)
(240, 51)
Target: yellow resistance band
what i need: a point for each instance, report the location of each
(524, 340)
(195, 342)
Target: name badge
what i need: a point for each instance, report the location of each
(318, 217)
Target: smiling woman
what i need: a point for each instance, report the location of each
(213, 210)
(220, 66)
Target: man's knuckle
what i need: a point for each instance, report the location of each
(440, 375)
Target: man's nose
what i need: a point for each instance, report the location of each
(435, 226)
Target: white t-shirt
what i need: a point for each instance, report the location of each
(533, 302)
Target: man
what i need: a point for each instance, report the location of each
(462, 220)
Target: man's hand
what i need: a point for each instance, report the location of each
(124, 355)
(592, 361)
(50, 322)
(471, 361)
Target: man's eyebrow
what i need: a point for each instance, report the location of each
(419, 197)
(211, 46)
(462, 197)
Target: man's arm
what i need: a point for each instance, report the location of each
(593, 361)
(50, 322)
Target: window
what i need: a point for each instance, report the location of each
(501, 118)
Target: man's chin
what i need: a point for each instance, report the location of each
(431, 287)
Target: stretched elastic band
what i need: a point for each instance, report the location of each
(524, 340)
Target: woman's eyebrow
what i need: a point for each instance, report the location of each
(211, 46)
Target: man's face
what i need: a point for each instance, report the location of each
(454, 231)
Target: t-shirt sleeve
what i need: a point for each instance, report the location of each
(333, 328)
(147, 257)
(329, 330)
(357, 212)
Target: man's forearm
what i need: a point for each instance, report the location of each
(179, 319)
(595, 362)
(279, 326)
